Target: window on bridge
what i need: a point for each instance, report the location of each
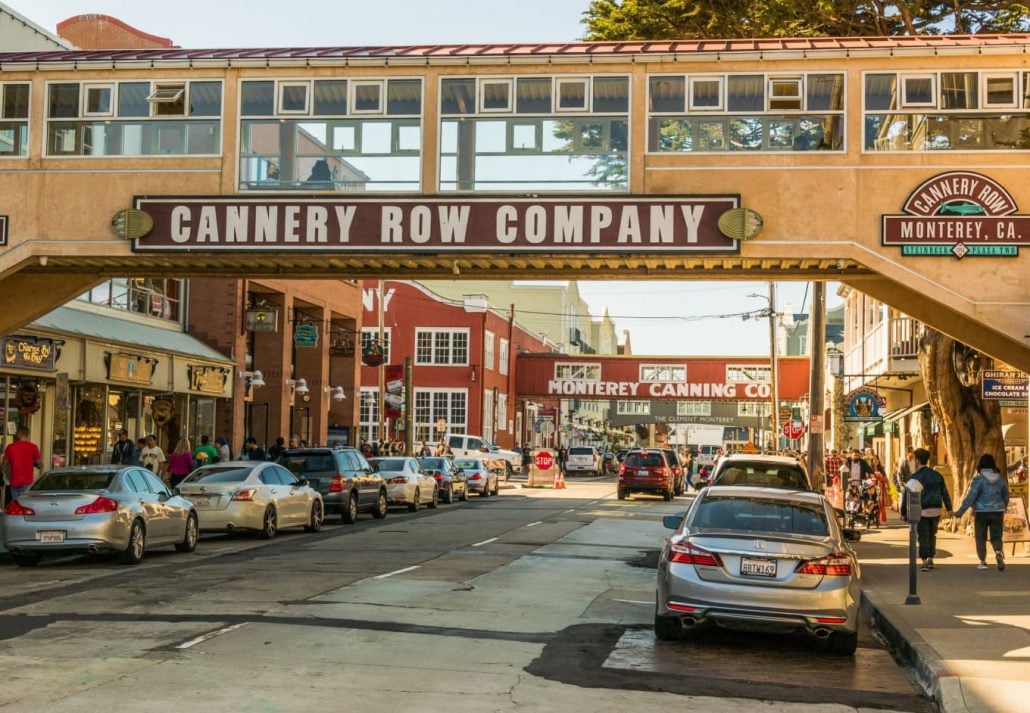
(14, 119)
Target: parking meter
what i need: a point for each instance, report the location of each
(913, 501)
(913, 511)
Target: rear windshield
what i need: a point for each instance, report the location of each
(470, 464)
(309, 462)
(75, 481)
(432, 462)
(644, 460)
(758, 515)
(233, 474)
(581, 451)
(390, 464)
(764, 475)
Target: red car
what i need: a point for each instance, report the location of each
(646, 471)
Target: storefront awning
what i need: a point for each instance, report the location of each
(901, 413)
(100, 327)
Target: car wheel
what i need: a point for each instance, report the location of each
(270, 524)
(497, 488)
(380, 510)
(416, 504)
(486, 489)
(621, 493)
(667, 495)
(448, 496)
(668, 628)
(25, 560)
(315, 523)
(508, 471)
(843, 643)
(192, 534)
(436, 498)
(350, 515)
(133, 554)
(465, 494)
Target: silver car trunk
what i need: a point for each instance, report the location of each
(762, 559)
(53, 506)
(216, 496)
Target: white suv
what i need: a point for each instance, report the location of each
(583, 459)
(464, 445)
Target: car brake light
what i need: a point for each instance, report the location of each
(245, 495)
(835, 565)
(680, 607)
(475, 476)
(397, 481)
(438, 476)
(687, 553)
(622, 469)
(336, 483)
(830, 620)
(661, 471)
(99, 505)
(16, 508)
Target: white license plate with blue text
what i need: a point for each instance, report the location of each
(50, 536)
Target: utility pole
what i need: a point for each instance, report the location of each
(382, 368)
(774, 373)
(816, 383)
(409, 409)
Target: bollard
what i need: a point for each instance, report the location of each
(913, 512)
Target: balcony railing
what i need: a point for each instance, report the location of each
(905, 335)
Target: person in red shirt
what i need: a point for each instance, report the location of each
(21, 458)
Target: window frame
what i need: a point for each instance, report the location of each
(481, 83)
(693, 79)
(587, 82)
(24, 120)
(503, 356)
(84, 91)
(632, 407)
(452, 331)
(743, 367)
(489, 350)
(581, 365)
(352, 94)
(985, 77)
(279, 94)
(800, 97)
(903, 100)
(641, 376)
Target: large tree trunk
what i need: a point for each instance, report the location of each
(971, 425)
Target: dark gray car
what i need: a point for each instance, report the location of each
(346, 481)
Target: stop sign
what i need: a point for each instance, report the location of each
(793, 430)
(543, 460)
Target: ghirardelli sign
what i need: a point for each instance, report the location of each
(512, 225)
(958, 213)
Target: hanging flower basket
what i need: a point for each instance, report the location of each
(373, 355)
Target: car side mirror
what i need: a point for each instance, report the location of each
(176, 491)
(851, 535)
(161, 497)
(672, 522)
(301, 482)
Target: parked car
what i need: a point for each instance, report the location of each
(452, 482)
(583, 459)
(345, 480)
(481, 478)
(761, 471)
(759, 558)
(406, 482)
(646, 471)
(678, 471)
(252, 495)
(127, 510)
(464, 445)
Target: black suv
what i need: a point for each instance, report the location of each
(347, 482)
(678, 471)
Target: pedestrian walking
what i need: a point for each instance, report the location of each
(224, 454)
(858, 469)
(988, 496)
(123, 451)
(152, 457)
(254, 451)
(831, 466)
(141, 443)
(906, 467)
(277, 448)
(934, 501)
(180, 463)
(205, 453)
(562, 456)
(20, 461)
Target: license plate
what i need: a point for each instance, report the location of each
(50, 536)
(757, 567)
(642, 473)
(201, 500)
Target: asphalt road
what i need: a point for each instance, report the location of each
(538, 600)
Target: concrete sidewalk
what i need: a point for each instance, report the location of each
(968, 642)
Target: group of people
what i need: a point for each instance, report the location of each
(174, 467)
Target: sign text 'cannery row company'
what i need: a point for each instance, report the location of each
(670, 224)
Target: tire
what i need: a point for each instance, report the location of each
(317, 516)
(133, 554)
(465, 494)
(508, 471)
(436, 499)
(192, 534)
(497, 488)
(25, 560)
(667, 495)
(668, 628)
(843, 643)
(350, 515)
(621, 493)
(416, 504)
(486, 490)
(448, 496)
(380, 509)
(270, 523)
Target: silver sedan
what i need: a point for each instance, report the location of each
(91, 509)
(760, 559)
(481, 478)
(252, 495)
(407, 483)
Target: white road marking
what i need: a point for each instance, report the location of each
(398, 571)
(538, 522)
(200, 639)
(485, 542)
(569, 510)
(631, 601)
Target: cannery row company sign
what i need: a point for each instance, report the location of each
(958, 213)
(316, 224)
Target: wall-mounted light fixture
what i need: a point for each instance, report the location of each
(251, 379)
(335, 392)
(300, 386)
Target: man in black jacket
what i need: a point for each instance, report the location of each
(124, 451)
(934, 501)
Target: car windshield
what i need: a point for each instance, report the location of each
(760, 515)
(390, 464)
(307, 462)
(91, 480)
(432, 463)
(581, 451)
(765, 475)
(207, 476)
(644, 460)
(470, 464)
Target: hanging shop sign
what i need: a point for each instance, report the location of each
(208, 379)
(341, 344)
(162, 410)
(521, 225)
(373, 354)
(29, 353)
(305, 336)
(130, 368)
(394, 401)
(958, 213)
(1003, 385)
(864, 405)
(262, 319)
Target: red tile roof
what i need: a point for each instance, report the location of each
(571, 49)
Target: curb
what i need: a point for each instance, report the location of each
(917, 655)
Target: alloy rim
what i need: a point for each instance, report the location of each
(191, 531)
(270, 521)
(316, 516)
(137, 541)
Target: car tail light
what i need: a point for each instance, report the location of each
(622, 469)
(16, 508)
(397, 481)
(831, 620)
(475, 476)
(438, 476)
(676, 606)
(835, 565)
(686, 553)
(244, 495)
(336, 483)
(99, 505)
(662, 471)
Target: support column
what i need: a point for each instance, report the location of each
(817, 383)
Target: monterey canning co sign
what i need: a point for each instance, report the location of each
(958, 213)
(331, 224)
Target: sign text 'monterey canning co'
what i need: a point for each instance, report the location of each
(302, 224)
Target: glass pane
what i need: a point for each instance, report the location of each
(409, 138)
(710, 136)
(1001, 91)
(490, 136)
(611, 95)
(202, 137)
(1026, 90)
(959, 90)
(919, 90)
(98, 100)
(345, 138)
(881, 92)
(257, 99)
(330, 97)
(533, 96)
(404, 97)
(293, 97)
(132, 99)
(496, 96)
(16, 101)
(376, 137)
(524, 137)
(745, 134)
(458, 96)
(572, 94)
(825, 92)
(745, 93)
(64, 101)
(671, 135)
(668, 94)
(205, 98)
(367, 97)
(705, 93)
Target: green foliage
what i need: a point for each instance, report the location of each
(708, 19)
